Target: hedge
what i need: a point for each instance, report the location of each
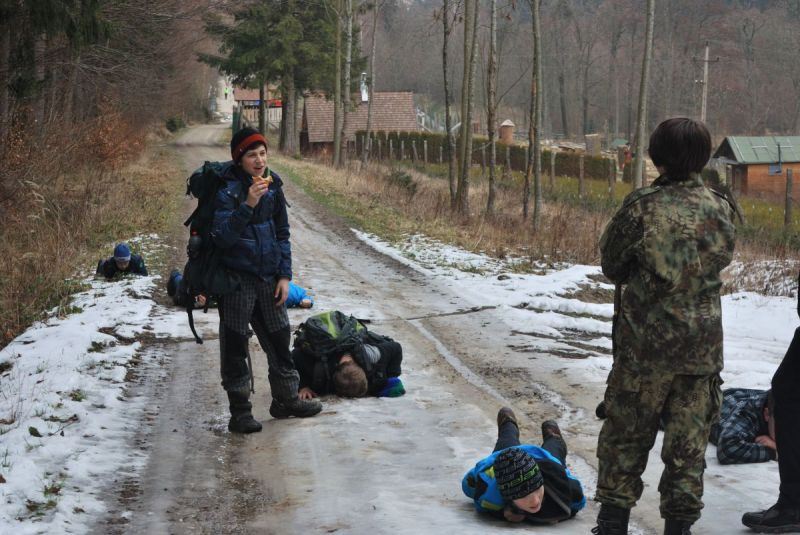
(567, 163)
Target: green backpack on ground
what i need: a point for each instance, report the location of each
(330, 334)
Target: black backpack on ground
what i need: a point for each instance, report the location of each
(203, 273)
(327, 335)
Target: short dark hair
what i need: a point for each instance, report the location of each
(681, 146)
(350, 381)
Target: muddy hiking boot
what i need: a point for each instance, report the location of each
(612, 520)
(242, 420)
(776, 519)
(299, 408)
(600, 411)
(550, 429)
(504, 415)
(677, 527)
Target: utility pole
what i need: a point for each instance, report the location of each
(704, 83)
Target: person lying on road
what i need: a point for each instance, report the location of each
(521, 482)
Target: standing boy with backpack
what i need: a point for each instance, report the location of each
(251, 232)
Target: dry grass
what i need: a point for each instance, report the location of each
(57, 225)
(377, 201)
(380, 202)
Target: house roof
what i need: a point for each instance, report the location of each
(756, 149)
(391, 112)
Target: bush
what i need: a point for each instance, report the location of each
(402, 180)
(567, 163)
(175, 123)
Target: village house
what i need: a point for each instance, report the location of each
(248, 102)
(757, 166)
(391, 112)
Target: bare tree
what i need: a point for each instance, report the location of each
(451, 144)
(536, 148)
(491, 105)
(348, 57)
(337, 88)
(467, 96)
(641, 119)
(367, 140)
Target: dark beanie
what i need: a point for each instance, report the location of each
(244, 140)
(517, 474)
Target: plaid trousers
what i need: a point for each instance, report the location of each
(253, 305)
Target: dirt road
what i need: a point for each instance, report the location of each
(377, 466)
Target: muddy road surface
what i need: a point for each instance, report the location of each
(371, 466)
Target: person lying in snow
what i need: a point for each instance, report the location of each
(743, 434)
(122, 262)
(524, 482)
(784, 516)
(368, 365)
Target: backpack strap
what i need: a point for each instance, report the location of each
(189, 311)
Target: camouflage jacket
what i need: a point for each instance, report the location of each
(667, 245)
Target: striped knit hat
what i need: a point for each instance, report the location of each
(517, 474)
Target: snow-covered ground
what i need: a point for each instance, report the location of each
(67, 420)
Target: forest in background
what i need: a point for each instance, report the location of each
(592, 59)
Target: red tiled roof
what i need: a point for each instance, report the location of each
(391, 112)
(245, 94)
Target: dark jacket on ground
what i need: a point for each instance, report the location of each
(741, 421)
(255, 240)
(108, 267)
(379, 356)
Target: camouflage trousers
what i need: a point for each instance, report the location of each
(687, 405)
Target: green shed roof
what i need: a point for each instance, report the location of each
(765, 150)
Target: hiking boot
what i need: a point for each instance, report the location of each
(550, 429)
(776, 519)
(674, 526)
(504, 415)
(600, 411)
(242, 420)
(244, 424)
(612, 520)
(300, 408)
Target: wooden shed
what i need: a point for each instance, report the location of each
(757, 166)
(391, 112)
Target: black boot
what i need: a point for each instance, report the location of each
(673, 526)
(242, 420)
(612, 521)
(300, 408)
(776, 519)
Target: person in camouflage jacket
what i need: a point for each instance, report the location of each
(665, 247)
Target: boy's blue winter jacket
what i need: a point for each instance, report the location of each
(254, 240)
(563, 494)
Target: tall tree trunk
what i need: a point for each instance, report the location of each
(348, 51)
(538, 86)
(290, 109)
(641, 120)
(337, 89)
(262, 106)
(451, 144)
(39, 47)
(467, 95)
(367, 140)
(491, 106)
(631, 80)
(5, 65)
(562, 90)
